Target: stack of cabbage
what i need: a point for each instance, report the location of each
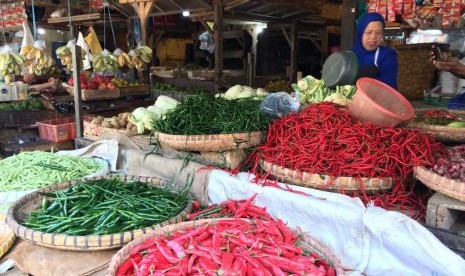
(238, 91)
(143, 117)
(312, 90)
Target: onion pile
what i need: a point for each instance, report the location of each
(452, 165)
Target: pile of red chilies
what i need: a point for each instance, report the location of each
(227, 247)
(326, 139)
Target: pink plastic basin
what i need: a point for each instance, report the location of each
(379, 103)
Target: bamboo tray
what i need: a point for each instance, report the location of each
(441, 184)
(326, 182)
(7, 237)
(307, 242)
(19, 210)
(440, 133)
(211, 143)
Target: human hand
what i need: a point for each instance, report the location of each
(452, 65)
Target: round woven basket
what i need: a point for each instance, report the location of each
(306, 241)
(326, 182)
(215, 143)
(23, 206)
(444, 185)
(7, 237)
(440, 133)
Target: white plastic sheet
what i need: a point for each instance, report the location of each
(366, 240)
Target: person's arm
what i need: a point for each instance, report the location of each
(449, 64)
(388, 68)
(51, 84)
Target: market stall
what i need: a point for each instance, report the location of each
(305, 177)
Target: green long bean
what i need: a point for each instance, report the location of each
(205, 114)
(37, 169)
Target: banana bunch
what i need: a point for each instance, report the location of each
(10, 63)
(122, 57)
(105, 61)
(66, 57)
(64, 54)
(37, 61)
(139, 56)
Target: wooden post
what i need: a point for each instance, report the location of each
(76, 56)
(143, 8)
(218, 6)
(347, 24)
(250, 69)
(294, 51)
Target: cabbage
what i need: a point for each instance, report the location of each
(262, 92)
(166, 103)
(233, 91)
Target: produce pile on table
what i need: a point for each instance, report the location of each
(325, 138)
(440, 117)
(36, 169)
(236, 246)
(451, 164)
(105, 206)
(312, 90)
(206, 114)
(278, 86)
(30, 104)
(119, 122)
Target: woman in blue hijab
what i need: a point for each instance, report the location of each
(375, 61)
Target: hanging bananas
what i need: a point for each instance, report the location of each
(10, 63)
(36, 60)
(122, 57)
(105, 61)
(139, 56)
(66, 57)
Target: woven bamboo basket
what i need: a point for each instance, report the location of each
(7, 237)
(211, 143)
(326, 182)
(443, 185)
(23, 206)
(306, 241)
(440, 133)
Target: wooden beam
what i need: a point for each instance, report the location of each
(347, 24)
(207, 28)
(260, 7)
(218, 8)
(235, 3)
(324, 43)
(176, 4)
(286, 36)
(75, 18)
(294, 51)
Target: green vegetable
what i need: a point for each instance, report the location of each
(205, 114)
(106, 206)
(457, 124)
(37, 169)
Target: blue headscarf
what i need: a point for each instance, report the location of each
(362, 25)
(387, 58)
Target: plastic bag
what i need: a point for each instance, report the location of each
(206, 42)
(279, 104)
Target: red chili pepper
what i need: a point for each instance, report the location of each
(127, 267)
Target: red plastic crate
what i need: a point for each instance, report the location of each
(57, 130)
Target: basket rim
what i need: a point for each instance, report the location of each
(310, 241)
(305, 179)
(450, 187)
(9, 240)
(228, 135)
(123, 238)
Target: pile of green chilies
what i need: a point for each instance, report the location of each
(205, 114)
(105, 206)
(36, 169)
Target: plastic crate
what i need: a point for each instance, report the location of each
(457, 102)
(57, 130)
